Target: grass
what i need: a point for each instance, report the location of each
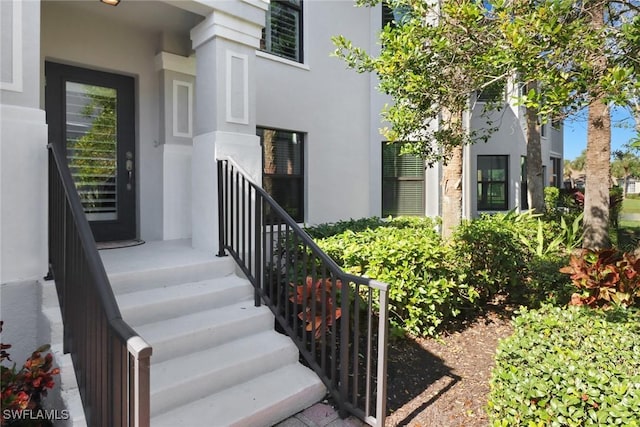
(631, 206)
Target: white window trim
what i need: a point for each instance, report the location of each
(276, 58)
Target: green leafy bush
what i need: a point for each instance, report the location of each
(544, 283)
(605, 277)
(551, 198)
(425, 289)
(615, 205)
(568, 367)
(322, 231)
(489, 253)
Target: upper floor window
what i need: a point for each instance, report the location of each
(493, 179)
(556, 172)
(394, 16)
(403, 190)
(283, 169)
(495, 92)
(282, 34)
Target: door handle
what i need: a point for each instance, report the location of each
(129, 167)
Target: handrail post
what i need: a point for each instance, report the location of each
(140, 360)
(381, 377)
(221, 211)
(344, 346)
(258, 249)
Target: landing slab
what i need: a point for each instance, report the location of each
(155, 254)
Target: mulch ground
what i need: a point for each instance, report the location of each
(444, 382)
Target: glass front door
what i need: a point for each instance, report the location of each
(91, 113)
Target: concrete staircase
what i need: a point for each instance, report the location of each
(217, 360)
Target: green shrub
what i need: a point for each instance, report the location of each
(545, 283)
(615, 205)
(489, 253)
(424, 288)
(551, 198)
(568, 367)
(322, 231)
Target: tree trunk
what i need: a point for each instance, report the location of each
(596, 200)
(535, 180)
(452, 192)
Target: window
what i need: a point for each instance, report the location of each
(402, 182)
(556, 172)
(493, 177)
(524, 188)
(495, 92)
(283, 169)
(394, 16)
(282, 34)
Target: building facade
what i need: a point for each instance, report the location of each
(146, 95)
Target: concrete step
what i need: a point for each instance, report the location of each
(49, 294)
(138, 277)
(260, 402)
(153, 305)
(132, 281)
(201, 330)
(181, 380)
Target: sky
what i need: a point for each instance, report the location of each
(575, 132)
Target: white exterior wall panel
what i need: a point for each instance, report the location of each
(331, 105)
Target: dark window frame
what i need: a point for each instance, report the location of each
(556, 168)
(396, 179)
(485, 205)
(265, 44)
(284, 177)
(524, 187)
(495, 92)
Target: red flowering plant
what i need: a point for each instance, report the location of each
(24, 389)
(606, 277)
(311, 296)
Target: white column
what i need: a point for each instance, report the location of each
(177, 77)
(23, 138)
(225, 44)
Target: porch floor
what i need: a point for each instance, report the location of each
(153, 255)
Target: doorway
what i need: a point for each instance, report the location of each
(92, 115)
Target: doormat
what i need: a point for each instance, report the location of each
(117, 244)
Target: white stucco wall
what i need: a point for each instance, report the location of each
(20, 310)
(509, 140)
(331, 105)
(23, 161)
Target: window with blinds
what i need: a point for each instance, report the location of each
(283, 169)
(493, 177)
(282, 34)
(403, 187)
(495, 92)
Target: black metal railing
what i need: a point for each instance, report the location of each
(111, 361)
(337, 320)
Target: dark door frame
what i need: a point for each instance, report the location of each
(125, 226)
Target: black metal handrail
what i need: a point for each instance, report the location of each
(337, 320)
(110, 360)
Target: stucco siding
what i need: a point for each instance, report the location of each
(331, 105)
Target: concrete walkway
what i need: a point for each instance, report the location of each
(320, 415)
